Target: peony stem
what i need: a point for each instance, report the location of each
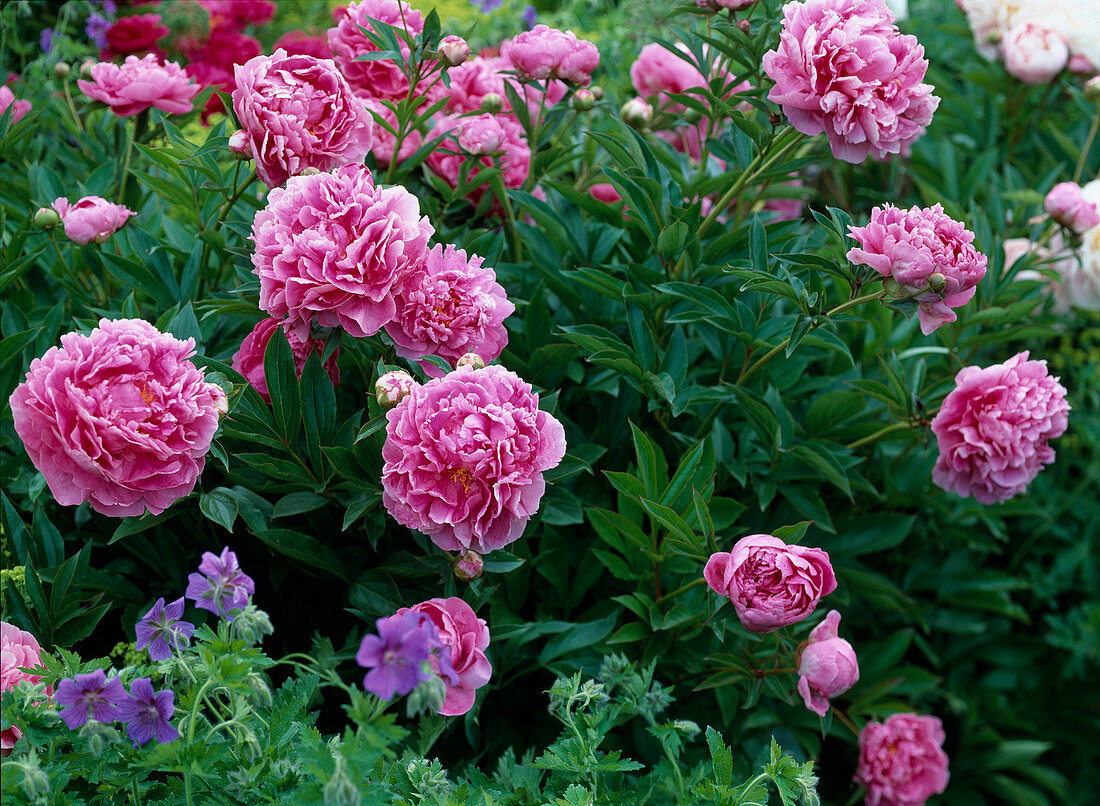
(696, 583)
(124, 172)
(1080, 169)
(889, 429)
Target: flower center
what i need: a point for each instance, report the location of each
(143, 390)
(464, 477)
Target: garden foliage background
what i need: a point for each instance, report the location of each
(638, 335)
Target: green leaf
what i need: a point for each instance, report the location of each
(305, 549)
(297, 503)
(282, 385)
(220, 506)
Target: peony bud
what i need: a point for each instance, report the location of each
(937, 282)
(46, 218)
(597, 91)
(583, 100)
(692, 115)
(744, 25)
(470, 360)
(86, 68)
(1034, 53)
(491, 103)
(1092, 89)
(469, 566)
(454, 50)
(1066, 203)
(392, 387)
(828, 666)
(240, 145)
(636, 113)
(62, 69)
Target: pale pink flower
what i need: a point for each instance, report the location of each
(472, 80)
(18, 650)
(18, 108)
(771, 584)
(927, 253)
(828, 665)
(454, 50)
(138, 84)
(464, 458)
(843, 69)
(992, 429)
(118, 417)
(545, 52)
(249, 358)
(465, 638)
(448, 306)
(333, 248)
(1067, 204)
(901, 761)
(298, 113)
(1034, 53)
(91, 219)
(392, 386)
(380, 78)
(514, 155)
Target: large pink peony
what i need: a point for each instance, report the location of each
(379, 78)
(249, 359)
(18, 107)
(18, 650)
(138, 84)
(901, 761)
(465, 636)
(119, 417)
(511, 152)
(927, 253)
(450, 305)
(842, 68)
(334, 248)
(464, 458)
(545, 52)
(770, 583)
(299, 112)
(91, 219)
(827, 667)
(993, 427)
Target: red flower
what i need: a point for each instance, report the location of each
(133, 35)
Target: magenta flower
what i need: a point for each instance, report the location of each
(334, 248)
(118, 417)
(92, 218)
(220, 586)
(464, 458)
(18, 107)
(464, 638)
(89, 696)
(843, 69)
(481, 132)
(927, 253)
(379, 78)
(901, 761)
(993, 427)
(139, 84)
(249, 359)
(163, 630)
(545, 52)
(18, 650)
(828, 666)
(396, 655)
(146, 713)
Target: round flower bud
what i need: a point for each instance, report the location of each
(469, 566)
(454, 50)
(492, 103)
(1092, 89)
(636, 113)
(744, 25)
(46, 218)
(86, 68)
(62, 69)
(310, 171)
(597, 91)
(240, 145)
(391, 388)
(584, 100)
(937, 282)
(472, 360)
(692, 115)
(36, 783)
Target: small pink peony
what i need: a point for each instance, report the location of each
(18, 650)
(770, 583)
(454, 50)
(842, 68)
(91, 219)
(483, 76)
(249, 359)
(380, 78)
(1067, 204)
(334, 248)
(993, 427)
(18, 108)
(118, 417)
(464, 458)
(513, 155)
(828, 666)
(448, 306)
(658, 72)
(545, 52)
(901, 761)
(605, 192)
(465, 636)
(1034, 53)
(138, 84)
(299, 113)
(391, 387)
(927, 253)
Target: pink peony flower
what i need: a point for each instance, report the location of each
(786, 208)
(18, 108)
(993, 427)
(448, 306)
(513, 154)
(18, 650)
(119, 417)
(299, 113)
(138, 84)
(1034, 53)
(236, 15)
(334, 248)
(464, 458)
(545, 52)
(605, 192)
(91, 219)
(842, 68)
(770, 583)
(299, 43)
(1066, 203)
(380, 78)
(454, 50)
(658, 72)
(927, 253)
(472, 80)
(828, 666)
(249, 359)
(901, 761)
(465, 637)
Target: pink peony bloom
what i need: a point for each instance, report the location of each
(236, 15)
(770, 583)
(901, 761)
(119, 417)
(381, 78)
(1034, 53)
(465, 637)
(545, 52)
(299, 43)
(249, 359)
(828, 666)
(450, 305)
(842, 68)
(1066, 203)
(334, 248)
(472, 80)
(605, 192)
(91, 219)
(993, 427)
(927, 253)
(464, 458)
(299, 113)
(658, 72)
(785, 208)
(18, 108)
(18, 650)
(138, 84)
(513, 155)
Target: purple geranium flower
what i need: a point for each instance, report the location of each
(487, 5)
(96, 29)
(162, 631)
(221, 586)
(146, 713)
(395, 656)
(89, 695)
(45, 39)
(529, 16)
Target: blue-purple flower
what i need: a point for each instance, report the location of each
(96, 29)
(220, 586)
(45, 39)
(89, 695)
(161, 630)
(146, 713)
(487, 5)
(396, 655)
(529, 16)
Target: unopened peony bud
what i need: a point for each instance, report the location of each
(584, 100)
(309, 170)
(62, 69)
(744, 25)
(470, 360)
(692, 115)
(469, 566)
(1092, 89)
(937, 282)
(46, 218)
(1067, 204)
(392, 387)
(454, 50)
(491, 103)
(636, 113)
(240, 145)
(597, 91)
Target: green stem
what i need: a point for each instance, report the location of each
(124, 172)
(187, 790)
(134, 791)
(72, 106)
(901, 426)
(694, 584)
(237, 193)
(1085, 150)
